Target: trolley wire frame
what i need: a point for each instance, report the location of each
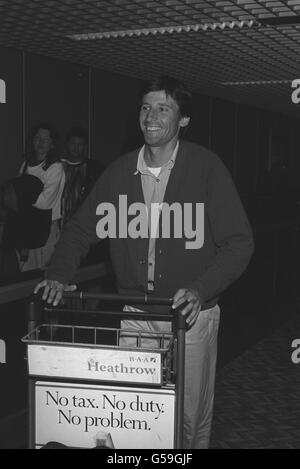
(179, 328)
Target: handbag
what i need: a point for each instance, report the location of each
(27, 227)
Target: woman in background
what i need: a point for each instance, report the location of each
(42, 161)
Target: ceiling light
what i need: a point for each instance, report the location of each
(255, 83)
(165, 30)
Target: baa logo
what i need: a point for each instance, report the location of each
(2, 91)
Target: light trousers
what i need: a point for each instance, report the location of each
(200, 371)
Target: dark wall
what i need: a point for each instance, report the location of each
(10, 112)
(57, 93)
(114, 114)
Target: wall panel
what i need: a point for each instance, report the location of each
(223, 132)
(56, 92)
(10, 112)
(246, 139)
(199, 127)
(115, 110)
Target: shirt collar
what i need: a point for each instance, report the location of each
(142, 167)
(72, 163)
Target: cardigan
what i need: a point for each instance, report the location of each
(198, 176)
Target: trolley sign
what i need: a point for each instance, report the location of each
(86, 416)
(85, 394)
(104, 364)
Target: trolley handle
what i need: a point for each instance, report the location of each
(138, 299)
(173, 315)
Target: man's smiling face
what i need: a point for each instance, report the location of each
(160, 119)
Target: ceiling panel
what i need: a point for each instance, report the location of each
(205, 43)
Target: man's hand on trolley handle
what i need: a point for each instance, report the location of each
(193, 306)
(53, 290)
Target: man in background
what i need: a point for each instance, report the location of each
(81, 172)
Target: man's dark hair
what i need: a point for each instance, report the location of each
(79, 132)
(172, 87)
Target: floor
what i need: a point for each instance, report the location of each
(257, 403)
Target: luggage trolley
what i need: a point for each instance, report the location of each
(84, 393)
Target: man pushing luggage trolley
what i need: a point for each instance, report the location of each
(177, 229)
